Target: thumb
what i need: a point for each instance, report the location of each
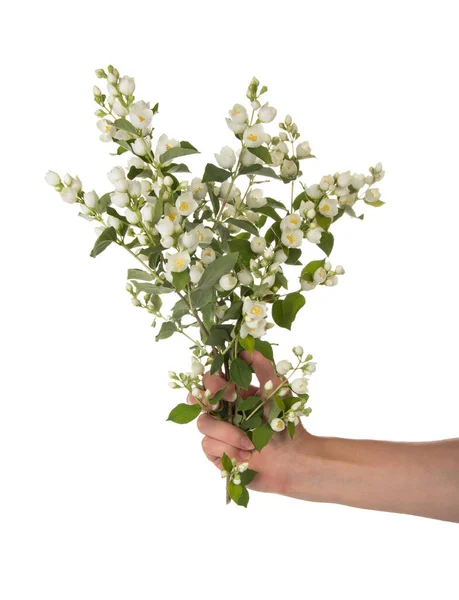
(263, 368)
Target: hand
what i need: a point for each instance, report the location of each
(274, 462)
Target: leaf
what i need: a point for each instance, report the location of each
(253, 422)
(233, 312)
(248, 403)
(217, 364)
(258, 170)
(243, 499)
(284, 311)
(184, 413)
(375, 203)
(167, 329)
(214, 173)
(180, 309)
(139, 274)
(263, 153)
(269, 211)
(113, 213)
(214, 200)
(323, 222)
(234, 491)
(243, 248)
(291, 429)
(241, 373)
(248, 476)
(311, 268)
(218, 396)
(218, 336)
(326, 242)
(245, 225)
(103, 241)
(125, 125)
(298, 200)
(261, 436)
(200, 298)
(177, 168)
(180, 280)
(273, 233)
(293, 256)
(221, 266)
(265, 349)
(248, 343)
(276, 204)
(183, 150)
(226, 463)
(151, 288)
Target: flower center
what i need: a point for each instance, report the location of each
(141, 119)
(294, 220)
(172, 216)
(252, 137)
(168, 147)
(179, 262)
(107, 128)
(325, 207)
(256, 310)
(291, 238)
(183, 205)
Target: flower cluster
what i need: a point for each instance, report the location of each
(214, 251)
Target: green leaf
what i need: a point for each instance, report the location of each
(265, 349)
(103, 241)
(226, 463)
(180, 280)
(184, 413)
(125, 125)
(276, 204)
(113, 213)
(326, 242)
(291, 429)
(151, 288)
(180, 309)
(298, 200)
(248, 476)
(233, 312)
(217, 364)
(269, 211)
(201, 297)
(214, 173)
(218, 336)
(221, 266)
(168, 328)
(311, 268)
(273, 234)
(243, 499)
(263, 153)
(293, 256)
(214, 200)
(261, 436)
(139, 274)
(258, 170)
(235, 491)
(244, 250)
(218, 396)
(284, 311)
(241, 373)
(375, 203)
(248, 403)
(183, 150)
(177, 168)
(245, 225)
(248, 343)
(323, 222)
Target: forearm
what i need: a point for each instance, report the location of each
(413, 478)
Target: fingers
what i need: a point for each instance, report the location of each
(263, 368)
(214, 450)
(224, 432)
(215, 383)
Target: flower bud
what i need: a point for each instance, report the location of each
(69, 195)
(132, 217)
(243, 467)
(298, 351)
(340, 270)
(268, 386)
(228, 282)
(136, 302)
(168, 181)
(277, 424)
(126, 85)
(52, 178)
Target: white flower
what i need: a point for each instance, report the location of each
(307, 286)
(289, 169)
(256, 328)
(247, 158)
(114, 222)
(255, 198)
(107, 129)
(348, 199)
(243, 467)
(277, 156)
(228, 282)
(328, 207)
(236, 127)
(132, 216)
(314, 235)
(298, 351)
(283, 367)
(119, 109)
(126, 85)
(254, 136)
(134, 189)
(141, 115)
(52, 178)
(310, 368)
(173, 215)
(164, 144)
(186, 204)
(258, 244)
(277, 424)
(91, 199)
(344, 179)
(303, 150)
(196, 272)
(198, 189)
(189, 240)
(165, 227)
(227, 158)
(269, 280)
(314, 192)
(136, 162)
(358, 181)
(115, 174)
(300, 385)
(207, 256)
(320, 275)
(221, 309)
(142, 146)
(238, 114)
(268, 386)
(291, 222)
(245, 277)
(178, 262)
(196, 367)
(332, 281)
(254, 310)
(68, 195)
(292, 238)
(205, 235)
(340, 270)
(148, 212)
(372, 195)
(266, 114)
(167, 241)
(280, 256)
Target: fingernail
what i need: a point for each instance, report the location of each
(246, 443)
(243, 455)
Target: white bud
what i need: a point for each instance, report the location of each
(132, 217)
(339, 270)
(298, 351)
(228, 282)
(52, 178)
(243, 467)
(268, 386)
(283, 367)
(237, 481)
(224, 473)
(277, 424)
(245, 277)
(69, 195)
(283, 392)
(135, 301)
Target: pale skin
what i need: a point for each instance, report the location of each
(420, 478)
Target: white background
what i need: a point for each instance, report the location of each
(100, 497)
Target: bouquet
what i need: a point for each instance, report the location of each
(216, 259)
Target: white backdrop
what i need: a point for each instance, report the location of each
(100, 497)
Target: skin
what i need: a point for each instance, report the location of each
(412, 478)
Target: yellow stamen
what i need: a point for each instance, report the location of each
(107, 128)
(183, 205)
(294, 220)
(256, 310)
(252, 137)
(141, 119)
(168, 147)
(325, 207)
(179, 262)
(291, 239)
(172, 216)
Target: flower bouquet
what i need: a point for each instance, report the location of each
(213, 261)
